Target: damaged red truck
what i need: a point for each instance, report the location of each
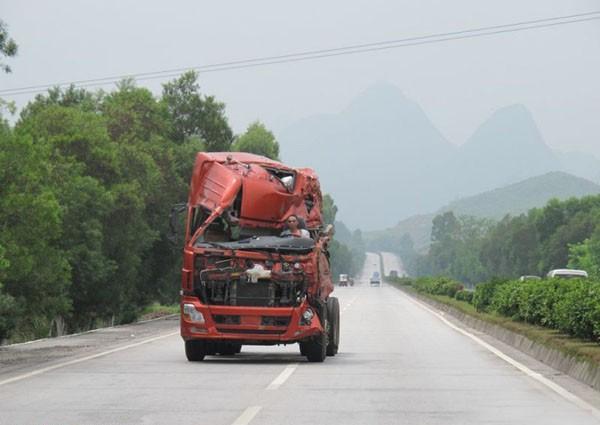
(243, 284)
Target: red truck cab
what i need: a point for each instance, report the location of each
(243, 284)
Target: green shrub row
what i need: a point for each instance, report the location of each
(436, 286)
(569, 305)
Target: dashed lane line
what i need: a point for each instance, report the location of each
(84, 359)
(349, 304)
(564, 393)
(282, 377)
(289, 370)
(247, 415)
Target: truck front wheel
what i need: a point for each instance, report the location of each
(195, 350)
(315, 349)
(333, 320)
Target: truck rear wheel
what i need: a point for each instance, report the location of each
(333, 329)
(315, 349)
(195, 350)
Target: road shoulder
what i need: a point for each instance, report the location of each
(19, 359)
(516, 346)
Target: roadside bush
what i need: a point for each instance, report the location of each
(577, 312)
(408, 281)
(569, 305)
(438, 286)
(505, 299)
(8, 313)
(451, 287)
(404, 280)
(484, 292)
(536, 301)
(464, 295)
(424, 284)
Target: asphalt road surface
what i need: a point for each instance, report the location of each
(399, 363)
(392, 262)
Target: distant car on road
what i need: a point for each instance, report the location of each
(393, 273)
(567, 274)
(375, 279)
(343, 280)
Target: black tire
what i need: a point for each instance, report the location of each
(333, 325)
(315, 349)
(302, 348)
(195, 350)
(227, 349)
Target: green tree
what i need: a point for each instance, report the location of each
(258, 140)
(8, 46)
(37, 274)
(133, 114)
(445, 227)
(328, 210)
(586, 255)
(455, 248)
(72, 97)
(7, 303)
(191, 114)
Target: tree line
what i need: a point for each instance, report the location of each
(87, 179)
(347, 249)
(560, 234)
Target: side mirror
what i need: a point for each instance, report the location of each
(329, 231)
(175, 211)
(326, 235)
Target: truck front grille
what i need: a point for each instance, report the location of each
(264, 293)
(252, 331)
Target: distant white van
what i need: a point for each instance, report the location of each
(568, 274)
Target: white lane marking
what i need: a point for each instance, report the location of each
(282, 377)
(247, 415)
(534, 375)
(349, 304)
(83, 359)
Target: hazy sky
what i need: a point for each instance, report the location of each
(555, 72)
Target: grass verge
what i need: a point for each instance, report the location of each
(157, 310)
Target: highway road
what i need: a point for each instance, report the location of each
(392, 262)
(399, 363)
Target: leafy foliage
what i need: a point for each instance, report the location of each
(347, 250)
(438, 286)
(190, 114)
(258, 140)
(88, 179)
(8, 46)
(563, 233)
(571, 306)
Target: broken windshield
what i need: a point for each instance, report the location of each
(264, 243)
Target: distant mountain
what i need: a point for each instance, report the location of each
(506, 148)
(520, 197)
(513, 199)
(375, 157)
(382, 159)
(418, 227)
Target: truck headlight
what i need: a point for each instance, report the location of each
(193, 314)
(307, 317)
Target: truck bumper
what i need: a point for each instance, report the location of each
(249, 325)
